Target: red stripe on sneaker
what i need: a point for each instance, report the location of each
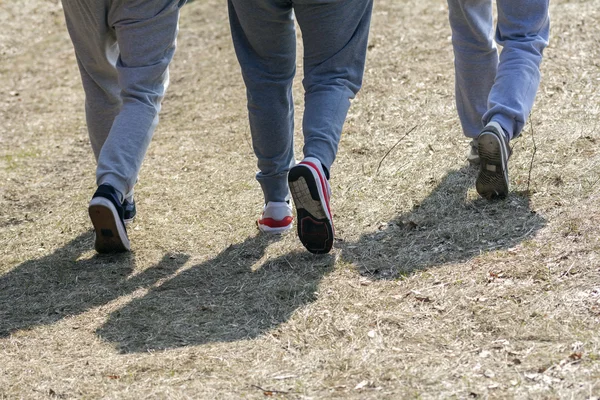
(323, 186)
(273, 223)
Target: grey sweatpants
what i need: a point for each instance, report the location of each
(491, 88)
(123, 49)
(335, 35)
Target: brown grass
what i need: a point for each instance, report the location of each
(430, 291)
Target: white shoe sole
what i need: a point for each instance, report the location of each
(274, 231)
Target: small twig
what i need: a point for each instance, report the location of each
(567, 272)
(269, 390)
(245, 134)
(393, 147)
(532, 156)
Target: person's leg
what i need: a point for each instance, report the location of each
(523, 31)
(335, 35)
(264, 39)
(475, 60)
(96, 50)
(146, 34)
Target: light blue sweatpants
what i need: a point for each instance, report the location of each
(335, 35)
(123, 49)
(489, 88)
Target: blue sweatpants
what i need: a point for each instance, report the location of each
(123, 49)
(492, 88)
(335, 34)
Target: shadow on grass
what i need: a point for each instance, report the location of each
(240, 294)
(234, 296)
(446, 227)
(45, 290)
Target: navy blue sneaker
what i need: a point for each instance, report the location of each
(128, 211)
(106, 213)
(492, 181)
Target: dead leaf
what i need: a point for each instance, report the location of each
(576, 356)
(532, 376)
(364, 281)
(496, 275)
(269, 392)
(544, 368)
(421, 297)
(361, 385)
(489, 373)
(485, 354)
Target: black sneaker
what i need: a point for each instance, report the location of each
(128, 211)
(106, 213)
(492, 181)
(311, 191)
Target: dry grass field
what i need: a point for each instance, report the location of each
(430, 292)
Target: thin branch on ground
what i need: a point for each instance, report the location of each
(271, 391)
(532, 156)
(247, 135)
(393, 147)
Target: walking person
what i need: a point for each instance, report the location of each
(495, 94)
(123, 50)
(335, 35)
